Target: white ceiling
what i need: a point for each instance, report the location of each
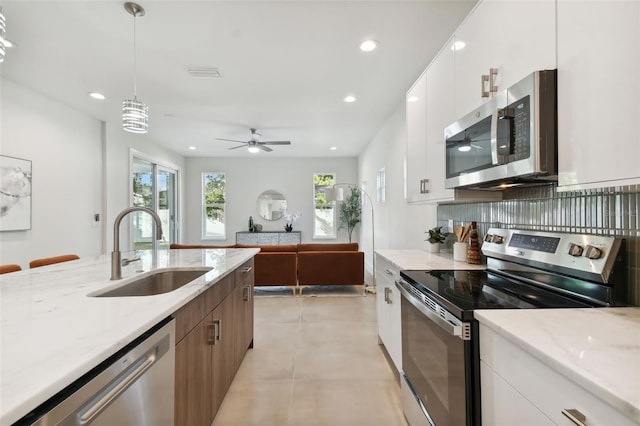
(286, 66)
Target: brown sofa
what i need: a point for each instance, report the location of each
(302, 264)
(330, 264)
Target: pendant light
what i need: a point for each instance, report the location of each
(3, 29)
(135, 114)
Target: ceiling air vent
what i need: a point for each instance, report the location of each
(204, 72)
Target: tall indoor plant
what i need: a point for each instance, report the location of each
(351, 211)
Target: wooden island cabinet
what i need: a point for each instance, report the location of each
(213, 333)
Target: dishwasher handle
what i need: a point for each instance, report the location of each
(109, 393)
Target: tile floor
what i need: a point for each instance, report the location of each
(315, 362)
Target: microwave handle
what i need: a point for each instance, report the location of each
(495, 158)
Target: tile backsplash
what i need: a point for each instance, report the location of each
(609, 211)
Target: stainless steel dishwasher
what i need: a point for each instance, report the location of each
(133, 387)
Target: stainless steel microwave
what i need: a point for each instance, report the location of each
(509, 140)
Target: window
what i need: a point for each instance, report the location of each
(324, 221)
(213, 206)
(155, 187)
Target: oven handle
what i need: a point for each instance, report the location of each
(460, 329)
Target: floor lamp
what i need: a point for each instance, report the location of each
(337, 194)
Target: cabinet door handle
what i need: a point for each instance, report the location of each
(575, 416)
(216, 332)
(388, 271)
(389, 296)
(247, 269)
(246, 293)
(424, 186)
(484, 81)
(493, 73)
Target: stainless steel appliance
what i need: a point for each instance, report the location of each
(509, 140)
(134, 387)
(525, 270)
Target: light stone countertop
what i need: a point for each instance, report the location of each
(422, 259)
(51, 332)
(597, 348)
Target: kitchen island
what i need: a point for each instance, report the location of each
(541, 362)
(52, 331)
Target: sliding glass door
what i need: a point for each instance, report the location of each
(154, 187)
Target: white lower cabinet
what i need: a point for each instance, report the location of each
(388, 309)
(518, 389)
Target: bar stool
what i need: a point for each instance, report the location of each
(11, 267)
(36, 263)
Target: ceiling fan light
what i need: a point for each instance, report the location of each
(464, 148)
(135, 116)
(253, 149)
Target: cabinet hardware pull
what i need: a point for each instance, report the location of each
(575, 416)
(386, 293)
(247, 269)
(219, 335)
(212, 334)
(424, 186)
(493, 73)
(484, 80)
(390, 299)
(246, 293)
(388, 272)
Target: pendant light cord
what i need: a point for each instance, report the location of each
(135, 60)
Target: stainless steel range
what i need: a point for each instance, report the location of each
(525, 270)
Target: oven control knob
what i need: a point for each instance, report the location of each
(575, 250)
(488, 238)
(592, 252)
(498, 239)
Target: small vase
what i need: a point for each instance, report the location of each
(434, 247)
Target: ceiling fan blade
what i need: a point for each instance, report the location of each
(236, 147)
(276, 143)
(230, 140)
(264, 148)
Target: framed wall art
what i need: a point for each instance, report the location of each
(15, 194)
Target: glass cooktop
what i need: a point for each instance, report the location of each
(461, 292)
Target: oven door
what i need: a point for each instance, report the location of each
(438, 364)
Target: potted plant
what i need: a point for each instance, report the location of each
(350, 211)
(436, 237)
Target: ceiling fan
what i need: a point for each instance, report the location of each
(254, 144)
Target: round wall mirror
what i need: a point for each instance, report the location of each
(271, 205)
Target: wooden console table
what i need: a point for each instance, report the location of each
(269, 238)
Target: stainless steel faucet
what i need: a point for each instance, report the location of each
(116, 256)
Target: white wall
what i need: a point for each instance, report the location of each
(64, 146)
(398, 225)
(81, 167)
(246, 178)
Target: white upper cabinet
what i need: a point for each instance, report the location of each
(598, 93)
(514, 37)
(416, 138)
(440, 114)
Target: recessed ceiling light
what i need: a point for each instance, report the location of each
(458, 45)
(97, 95)
(192, 148)
(349, 99)
(333, 148)
(412, 99)
(368, 45)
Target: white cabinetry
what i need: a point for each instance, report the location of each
(440, 114)
(516, 37)
(598, 93)
(388, 309)
(519, 389)
(416, 138)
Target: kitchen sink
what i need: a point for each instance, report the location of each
(158, 282)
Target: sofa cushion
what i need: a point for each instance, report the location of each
(276, 268)
(328, 247)
(330, 268)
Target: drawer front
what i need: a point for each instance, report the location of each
(386, 272)
(548, 390)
